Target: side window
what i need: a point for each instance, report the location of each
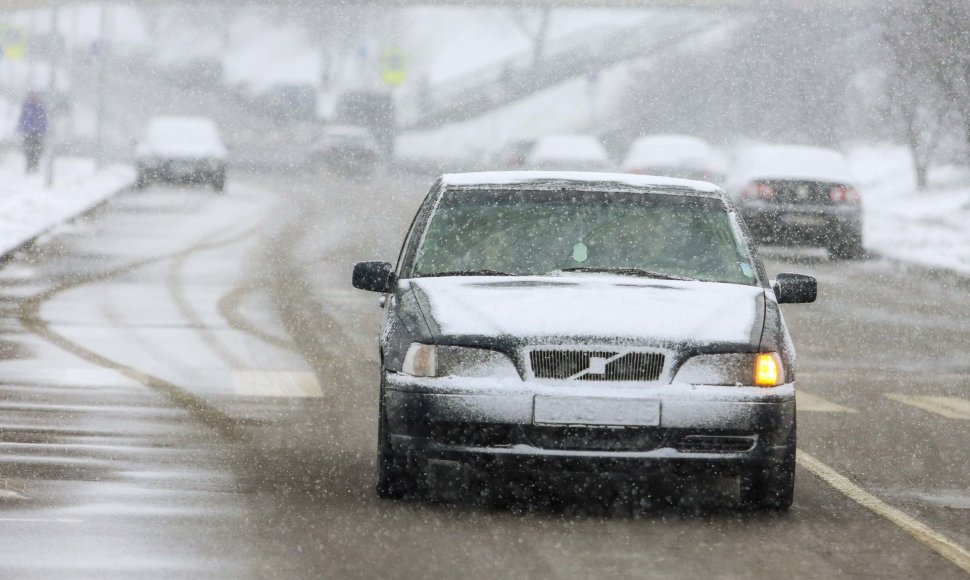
(420, 221)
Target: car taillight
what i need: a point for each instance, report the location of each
(844, 194)
(757, 190)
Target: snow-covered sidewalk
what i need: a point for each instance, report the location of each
(28, 209)
(929, 228)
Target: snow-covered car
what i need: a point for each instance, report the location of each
(568, 153)
(542, 321)
(794, 195)
(513, 155)
(346, 148)
(181, 149)
(680, 156)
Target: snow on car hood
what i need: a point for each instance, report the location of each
(590, 306)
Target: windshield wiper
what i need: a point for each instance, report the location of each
(628, 272)
(467, 273)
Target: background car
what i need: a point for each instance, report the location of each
(568, 153)
(799, 196)
(680, 156)
(346, 148)
(512, 155)
(181, 149)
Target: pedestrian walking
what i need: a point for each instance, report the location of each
(33, 128)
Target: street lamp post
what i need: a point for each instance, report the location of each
(51, 89)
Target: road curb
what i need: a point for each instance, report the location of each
(6, 255)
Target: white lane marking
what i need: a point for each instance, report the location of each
(809, 402)
(949, 407)
(933, 539)
(276, 384)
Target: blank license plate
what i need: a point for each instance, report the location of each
(596, 411)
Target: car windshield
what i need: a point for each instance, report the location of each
(551, 232)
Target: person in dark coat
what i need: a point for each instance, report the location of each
(33, 127)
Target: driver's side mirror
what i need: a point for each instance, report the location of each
(373, 276)
(795, 288)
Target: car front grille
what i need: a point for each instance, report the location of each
(588, 365)
(594, 438)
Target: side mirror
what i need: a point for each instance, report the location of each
(373, 276)
(795, 288)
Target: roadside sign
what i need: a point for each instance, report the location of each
(393, 67)
(13, 42)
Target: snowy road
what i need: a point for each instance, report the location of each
(189, 388)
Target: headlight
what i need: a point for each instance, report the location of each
(735, 369)
(428, 360)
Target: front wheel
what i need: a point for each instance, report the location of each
(771, 487)
(398, 475)
(847, 249)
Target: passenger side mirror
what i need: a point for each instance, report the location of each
(795, 288)
(373, 276)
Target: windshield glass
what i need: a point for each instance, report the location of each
(542, 232)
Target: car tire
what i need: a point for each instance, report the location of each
(848, 249)
(771, 487)
(398, 475)
(219, 183)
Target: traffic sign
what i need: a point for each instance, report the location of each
(13, 42)
(393, 67)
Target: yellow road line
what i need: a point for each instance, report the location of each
(809, 402)
(935, 540)
(949, 407)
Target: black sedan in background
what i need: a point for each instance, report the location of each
(792, 195)
(545, 322)
(181, 149)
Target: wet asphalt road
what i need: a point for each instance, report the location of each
(189, 389)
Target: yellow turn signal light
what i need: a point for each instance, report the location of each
(767, 370)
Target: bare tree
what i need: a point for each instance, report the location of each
(947, 45)
(929, 76)
(535, 26)
(911, 88)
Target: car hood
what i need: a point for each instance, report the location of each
(591, 307)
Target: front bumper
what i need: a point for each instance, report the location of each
(184, 170)
(802, 225)
(491, 424)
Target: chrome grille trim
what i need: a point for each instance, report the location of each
(574, 364)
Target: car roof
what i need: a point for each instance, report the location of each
(580, 180)
(790, 162)
(675, 150)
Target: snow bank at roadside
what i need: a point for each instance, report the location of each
(929, 228)
(28, 209)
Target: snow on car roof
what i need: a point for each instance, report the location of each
(173, 128)
(674, 151)
(537, 178)
(789, 162)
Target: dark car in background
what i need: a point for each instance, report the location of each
(542, 322)
(799, 196)
(346, 149)
(374, 110)
(181, 149)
